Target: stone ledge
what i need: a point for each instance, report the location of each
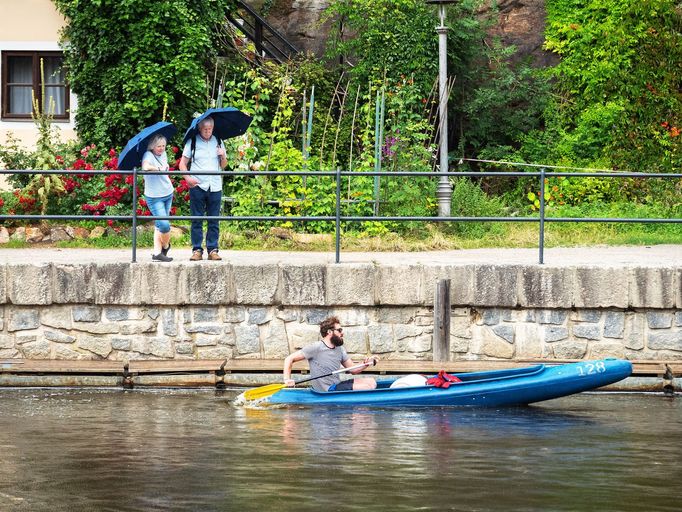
(362, 284)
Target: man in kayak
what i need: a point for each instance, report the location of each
(327, 356)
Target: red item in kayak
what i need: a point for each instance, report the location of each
(442, 380)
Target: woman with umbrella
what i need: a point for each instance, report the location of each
(158, 191)
(148, 147)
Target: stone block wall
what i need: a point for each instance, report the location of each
(208, 332)
(146, 311)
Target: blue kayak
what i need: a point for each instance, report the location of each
(496, 388)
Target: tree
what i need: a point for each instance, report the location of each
(129, 59)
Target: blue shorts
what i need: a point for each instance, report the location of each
(344, 385)
(160, 207)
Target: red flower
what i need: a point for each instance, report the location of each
(111, 164)
(112, 152)
(69, 184)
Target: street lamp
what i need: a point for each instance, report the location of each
(444, 191)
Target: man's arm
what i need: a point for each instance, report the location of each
(191, 180)
(370, 361)
(288, 363)
(222, 157)
(183, 163)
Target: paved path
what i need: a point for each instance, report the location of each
(630, 256)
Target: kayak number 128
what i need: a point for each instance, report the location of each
(592, 368)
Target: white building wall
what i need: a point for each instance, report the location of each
(32, 25)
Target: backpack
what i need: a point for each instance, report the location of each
(193, 146)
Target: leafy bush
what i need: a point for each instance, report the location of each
(273, 145)
(385, 39)
(15, 157)
(618, 81)
(469, 200)
(127, 61)
(501, 104)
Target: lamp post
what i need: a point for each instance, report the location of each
(444, 191)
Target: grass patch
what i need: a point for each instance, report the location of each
(430, 236)
(433, 238)
(16, 244)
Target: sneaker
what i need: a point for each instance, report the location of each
(161, 257)
(197, 255)
(165, 251)
(214, 256)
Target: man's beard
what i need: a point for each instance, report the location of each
(337, 341)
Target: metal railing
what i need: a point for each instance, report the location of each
(268, 41)
(541, 174)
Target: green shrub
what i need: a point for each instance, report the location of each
(127, 61)
(469, 200)
(618, 84)
(391, 39)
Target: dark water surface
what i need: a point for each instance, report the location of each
(116, 450)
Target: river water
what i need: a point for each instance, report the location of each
(115, 450)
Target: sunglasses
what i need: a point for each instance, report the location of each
(340, 329)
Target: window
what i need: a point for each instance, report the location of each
(21, 82)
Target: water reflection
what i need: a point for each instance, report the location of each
(184, 450)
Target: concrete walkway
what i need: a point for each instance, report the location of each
(628, 256)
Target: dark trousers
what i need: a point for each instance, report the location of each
(203, 203)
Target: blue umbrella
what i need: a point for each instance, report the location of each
(132, 154)
(228, 122)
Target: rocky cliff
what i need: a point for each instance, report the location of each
(519, 22)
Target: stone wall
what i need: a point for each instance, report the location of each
(144, 311)
(126, 333)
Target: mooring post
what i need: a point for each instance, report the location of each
(441, 321)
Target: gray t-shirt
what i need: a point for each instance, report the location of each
(322, 360)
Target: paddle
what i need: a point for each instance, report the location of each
(271, 389)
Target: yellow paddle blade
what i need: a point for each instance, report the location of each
(263, 391)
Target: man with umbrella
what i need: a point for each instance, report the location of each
(206, 192)
(204, 152)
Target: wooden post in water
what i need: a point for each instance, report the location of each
(441, 321)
